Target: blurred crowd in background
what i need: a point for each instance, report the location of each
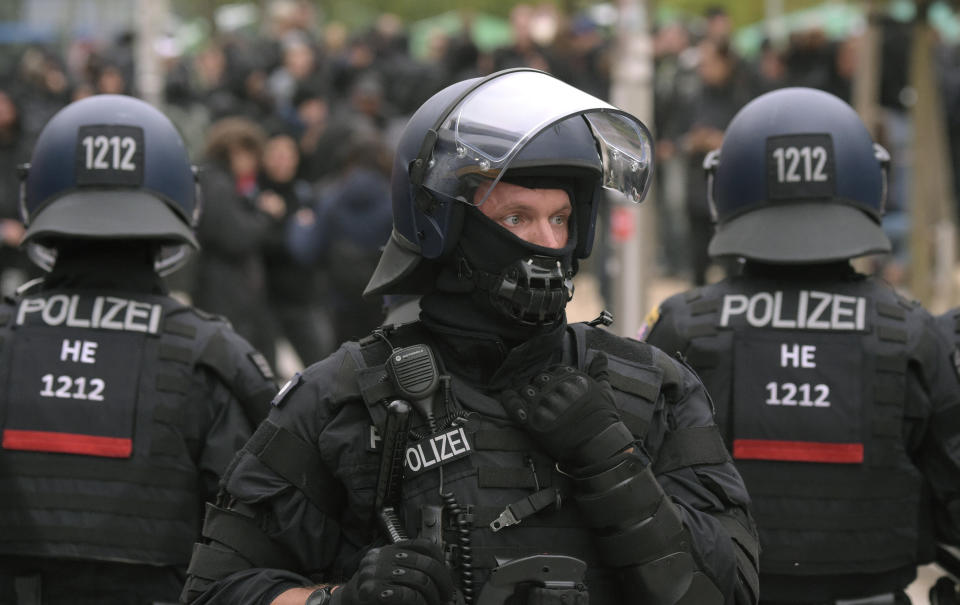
(293, 126)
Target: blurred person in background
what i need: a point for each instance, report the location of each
(721, 93)
(344, 233)
(44, 82)
(717, 24)
(676, 82)
(299, 68)
(230, 275)
(583, 55)
(322, 129)
(524, 50)
(15, 269)
(294, 290)
(770, 68)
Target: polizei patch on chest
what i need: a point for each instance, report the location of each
(436, 450)
(800, 310)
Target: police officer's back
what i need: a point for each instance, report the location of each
(832, 390)
(528, 438)
(120, 407)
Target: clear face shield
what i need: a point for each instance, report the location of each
(485, 131)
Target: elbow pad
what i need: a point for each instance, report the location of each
(232, 541)
(640, 532)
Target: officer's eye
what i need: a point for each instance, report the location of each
(559, 219)
(513, 220)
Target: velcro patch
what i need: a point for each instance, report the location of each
(800, 166)
(109, 154)
(436, 450)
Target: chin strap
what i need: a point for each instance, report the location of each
(531, 291)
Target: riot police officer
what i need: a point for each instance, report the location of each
(505, 453)
(835, 394)
(121, 407)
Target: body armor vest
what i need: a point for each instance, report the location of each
(491, 465)
(809, 388)
(98, 441)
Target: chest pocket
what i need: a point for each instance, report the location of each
(798, 397)
(74, 395)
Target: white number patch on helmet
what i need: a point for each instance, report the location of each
(110, 155)
(800, 166)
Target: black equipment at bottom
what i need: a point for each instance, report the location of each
(553, 572)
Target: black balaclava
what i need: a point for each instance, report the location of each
(470, 321)
(106, 264)
(827, 271)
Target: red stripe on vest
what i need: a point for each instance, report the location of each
(797, 451)
(67, 443)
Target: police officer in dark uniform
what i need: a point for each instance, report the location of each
(489, 452)
(120, 406)
(835, 394)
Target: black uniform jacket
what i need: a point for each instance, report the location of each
(321, 521)
(840, 404)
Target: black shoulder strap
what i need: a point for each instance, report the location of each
(296, 461)
(641, 385)
(579, 332)
(366, 375)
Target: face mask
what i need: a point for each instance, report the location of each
(528, 284)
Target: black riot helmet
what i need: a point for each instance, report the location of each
(518, 125)
(109, 167)
(797, 180)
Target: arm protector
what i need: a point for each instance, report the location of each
(640, 532)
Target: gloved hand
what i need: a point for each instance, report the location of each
(570, 413)
(408, 572)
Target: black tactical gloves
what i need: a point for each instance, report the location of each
(408, 572)
(570, 413)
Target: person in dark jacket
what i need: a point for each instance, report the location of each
(523, 459)
(295, 290)
(15, 268)
(836, 395)
(121, 407)
(722, 92)
(343, 235)
(230, 278)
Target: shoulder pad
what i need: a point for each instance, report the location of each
(241, 368)
(673, 369)
(612, 344)
(692, 294)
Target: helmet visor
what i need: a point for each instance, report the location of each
(489, 127)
